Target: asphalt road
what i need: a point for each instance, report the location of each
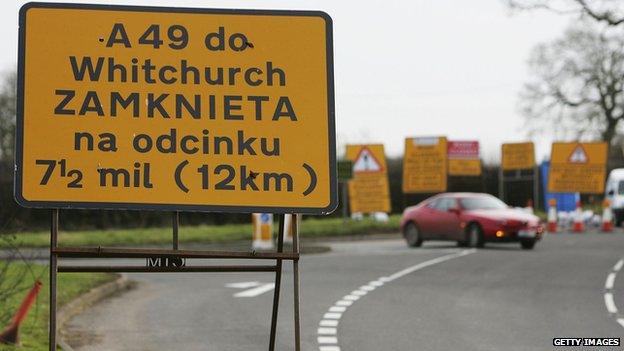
(380, 295)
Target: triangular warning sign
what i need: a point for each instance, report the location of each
(578, 155)
(366, 162)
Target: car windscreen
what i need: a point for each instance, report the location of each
(481, 203)
(620, 187)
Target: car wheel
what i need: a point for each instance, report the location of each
(474, 236)
(527, 244)
(412, 235)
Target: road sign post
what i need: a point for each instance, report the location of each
(345, 174)
(516, 158)
(141, 119)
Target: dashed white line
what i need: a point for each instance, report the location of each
(328, 325)
(332, 315)
(608, 299)
(618, 265)
(326, 331)
(327, 340)
(256, 291)
(610, 281)
(608, 295)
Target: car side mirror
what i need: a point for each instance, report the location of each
(611, 193)
(454, 210)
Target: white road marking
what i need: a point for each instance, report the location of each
(329, 323)
(618, 265)
(242, 285)
(327, 340)
(608, 299)
(610, 281)
(332, 315)
(327, 326)
(621, 321)
(326, 331)
(259, 290)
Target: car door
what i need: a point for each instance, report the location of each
(428, 219)
(447, 221)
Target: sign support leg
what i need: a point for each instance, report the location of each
(278, 281)
(176, 226)
(53, 274)
(536, 203)
(345, 204)
(295, 231)
(501, 181)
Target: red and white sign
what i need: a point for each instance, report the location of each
(463, 149)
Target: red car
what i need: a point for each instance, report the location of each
(471, 219)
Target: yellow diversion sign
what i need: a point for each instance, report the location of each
(183, 109)
(425, 165)
(518, 156)
(578, 167)
(369, 190)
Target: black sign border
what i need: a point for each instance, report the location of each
(19, 142)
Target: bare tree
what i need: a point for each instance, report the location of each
(610, 12)
(577, 83)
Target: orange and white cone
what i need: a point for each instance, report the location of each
(578, 226)
(552, 216)
(607, 216)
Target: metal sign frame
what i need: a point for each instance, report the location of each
(518, 177)
(99, 252)
(333, 199)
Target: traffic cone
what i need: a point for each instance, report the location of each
(10, 335)
(578, 226)
(607, 216)
(552, 216)
(529, 206)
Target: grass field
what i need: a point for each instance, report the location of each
(34, 330)
(310, 227)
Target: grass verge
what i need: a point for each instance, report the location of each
(34, 329)
(310, 228)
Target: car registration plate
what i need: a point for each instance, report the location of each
(527, 234)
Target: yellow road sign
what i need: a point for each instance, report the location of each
(183, 109)
(425, 165)
(463, 158)
(518, 156)
(369, 190)
(464, 167)
(578, 167)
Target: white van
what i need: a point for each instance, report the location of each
(614, 191)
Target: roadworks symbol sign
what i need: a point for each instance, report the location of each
(578, 155)
(366, 162)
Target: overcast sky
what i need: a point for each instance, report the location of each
(408, 68)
